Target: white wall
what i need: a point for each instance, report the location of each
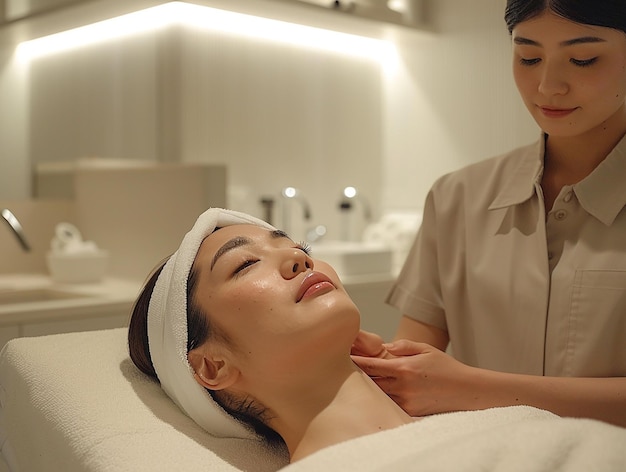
(15, 180)
(100, 100)
(453, 101)
(280, 116)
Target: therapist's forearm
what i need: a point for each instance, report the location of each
(598, 398)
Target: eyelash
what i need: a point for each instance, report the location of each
(247, 263)
(576, 62)
(302, 246)
(528, 62)
(585, 62)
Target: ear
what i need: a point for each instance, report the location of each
(212, 371)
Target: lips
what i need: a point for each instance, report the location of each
(553, 112)
(315, 282)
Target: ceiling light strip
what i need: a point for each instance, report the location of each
(210, 19)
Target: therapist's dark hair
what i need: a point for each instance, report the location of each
(608, 13)
(199, 330)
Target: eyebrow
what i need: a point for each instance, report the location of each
(570, 42)
(239, 241)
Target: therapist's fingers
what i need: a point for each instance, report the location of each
(404, 347)
(374, 366)
(401, 392)
(368, 344)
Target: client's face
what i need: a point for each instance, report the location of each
(275, 303)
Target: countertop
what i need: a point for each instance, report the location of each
(80, 300)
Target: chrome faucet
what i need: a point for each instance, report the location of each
(16, 227)
(349, 195)
(290, 194)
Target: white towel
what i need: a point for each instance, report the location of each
(167, 329)
(511, 439)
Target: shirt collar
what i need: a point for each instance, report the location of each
(520, 185)
(603, 192)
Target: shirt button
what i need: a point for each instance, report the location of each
(550, 256)
(560, 215)
(568, 197)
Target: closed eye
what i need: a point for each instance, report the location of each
(529, 62)
(576, 62)
(584, 62)
(247, 263)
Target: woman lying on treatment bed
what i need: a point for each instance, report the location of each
(242, 317)
(267, 331)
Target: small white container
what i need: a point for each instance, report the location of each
(79, 267)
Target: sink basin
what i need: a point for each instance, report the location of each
(350, 258)
(12, 297)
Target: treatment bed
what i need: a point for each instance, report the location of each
(75, 402)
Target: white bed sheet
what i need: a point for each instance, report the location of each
(75, 402)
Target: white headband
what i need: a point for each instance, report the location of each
(167, 329)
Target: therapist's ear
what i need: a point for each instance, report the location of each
(212, 371)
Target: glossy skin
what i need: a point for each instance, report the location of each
(572, 78)
(285, 326)
(255, 294)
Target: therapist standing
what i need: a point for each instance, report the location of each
(520, 262)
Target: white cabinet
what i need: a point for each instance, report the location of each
(104, 305)
(78, 324)
(57, 326)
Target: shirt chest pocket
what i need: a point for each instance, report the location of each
(596, 343)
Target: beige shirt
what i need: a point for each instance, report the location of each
(517, 291)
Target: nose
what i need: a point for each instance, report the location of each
(552, 80)
(296, 261)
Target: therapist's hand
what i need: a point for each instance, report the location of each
(420, 378)
(369, 344)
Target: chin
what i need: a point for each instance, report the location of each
(341, 309)
(561, 130)
(340, 306)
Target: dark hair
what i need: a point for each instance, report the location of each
(199, 330)
(608, 13)
(138, 347)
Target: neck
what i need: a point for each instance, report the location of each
(572, 158)
(569, 159)
(336, 410)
